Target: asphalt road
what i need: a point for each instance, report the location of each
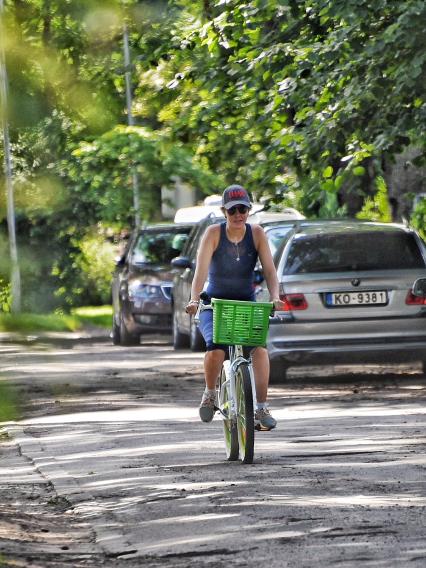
(110, 465)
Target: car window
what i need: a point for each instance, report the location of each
(157, 248)
(276, 236)
(354, 251)
(195, 240)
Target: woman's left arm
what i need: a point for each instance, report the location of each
(269, 272)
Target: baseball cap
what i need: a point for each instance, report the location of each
(235, 195)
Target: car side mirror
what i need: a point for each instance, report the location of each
(120, 260)
(181, 262)
(419, 288)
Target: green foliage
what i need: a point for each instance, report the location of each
(418, 218)
(101, 173)
(84, 273)
(316, 88)
(96, 263)
(377, 208)
(5, 296)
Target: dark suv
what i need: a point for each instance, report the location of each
(185, 331)
(142, 282)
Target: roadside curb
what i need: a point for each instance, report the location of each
(108, 537)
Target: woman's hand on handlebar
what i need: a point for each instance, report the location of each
(278, 305)
(192, 307)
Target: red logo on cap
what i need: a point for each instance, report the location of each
(235, 193)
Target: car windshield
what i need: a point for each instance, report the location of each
(157, 248)
(354, 251)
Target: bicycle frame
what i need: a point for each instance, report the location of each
(236, 358)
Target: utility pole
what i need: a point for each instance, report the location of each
(130, 119)
(15, 279)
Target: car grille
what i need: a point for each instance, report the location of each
(167, 291)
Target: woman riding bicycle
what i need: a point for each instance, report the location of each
(227, 256)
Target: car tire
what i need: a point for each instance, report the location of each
(127, 338)
(115, 334)
(196, 340)
(278, 372)
(180, 340)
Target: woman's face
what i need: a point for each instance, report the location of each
(236, 217)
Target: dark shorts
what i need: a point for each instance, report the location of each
(206, 328)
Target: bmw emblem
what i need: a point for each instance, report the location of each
(356, 282)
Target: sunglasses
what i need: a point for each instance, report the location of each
(240, 208)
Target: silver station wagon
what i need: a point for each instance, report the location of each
(347, 288)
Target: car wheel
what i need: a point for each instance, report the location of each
(115, 335)
(278, 372)
(180, 340)
(127, 338)
(196, 340)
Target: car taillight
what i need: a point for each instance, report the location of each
(293, 302)
(413, 300)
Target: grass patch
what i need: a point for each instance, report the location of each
(9, 407)
(38, 322)
(99, 316)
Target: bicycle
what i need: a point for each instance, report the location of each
(237, 324)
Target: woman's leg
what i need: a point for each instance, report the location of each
(213, 361)
(260, 360)
(261, 374)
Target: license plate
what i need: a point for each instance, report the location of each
(341, 299)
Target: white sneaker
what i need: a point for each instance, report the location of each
(207, 407)
(264, 420)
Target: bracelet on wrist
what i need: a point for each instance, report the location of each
(194, 302)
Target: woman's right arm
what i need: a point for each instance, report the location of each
(208, 245)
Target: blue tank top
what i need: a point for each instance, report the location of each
(231, 268)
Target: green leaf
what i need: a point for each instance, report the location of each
(328, 172)
(359, 170)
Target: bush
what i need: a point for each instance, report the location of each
(377, 208)
(84, 272)
(418, 218)
(5, 296)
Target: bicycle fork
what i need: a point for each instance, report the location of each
(230, 373)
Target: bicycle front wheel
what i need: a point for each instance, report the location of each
(229, 423)
(245, 413)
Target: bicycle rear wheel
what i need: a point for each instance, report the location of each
(245, 413)
(230, 432)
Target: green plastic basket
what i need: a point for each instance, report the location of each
(240, 323)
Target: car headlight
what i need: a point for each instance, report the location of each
(136, 289)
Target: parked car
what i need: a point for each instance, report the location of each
(142, 282)
(185, 331)
(347, 288)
